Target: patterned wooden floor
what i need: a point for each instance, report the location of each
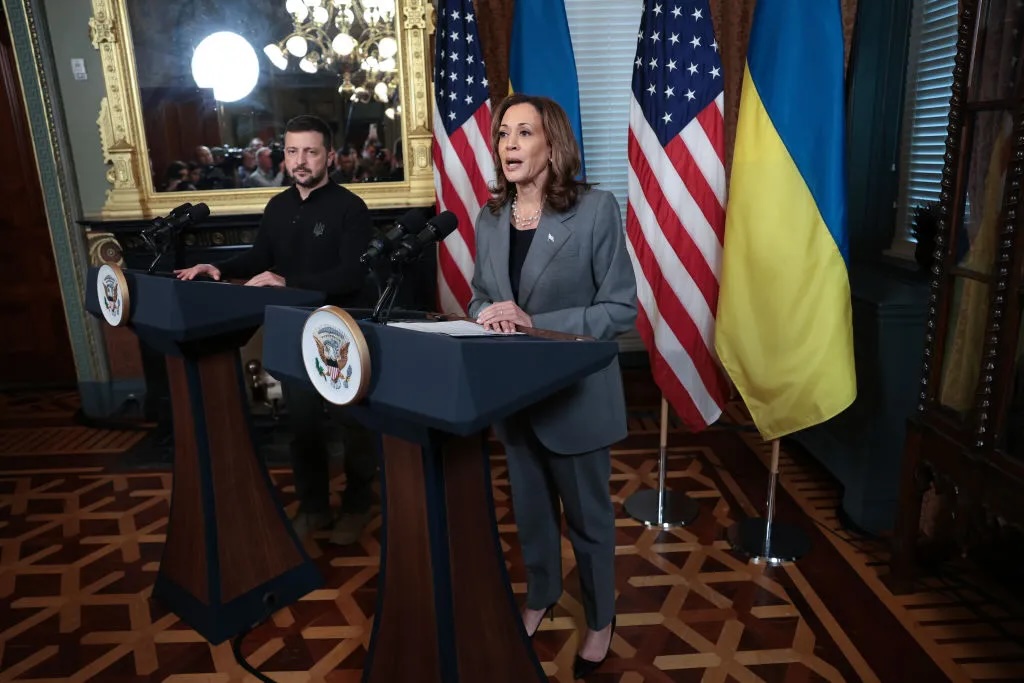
(80, 544)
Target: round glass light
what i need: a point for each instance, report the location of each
(387, 47)
(297, 46)
(308, 66)
(226, 63)
(343, 44)
(276, 56)
(297, 9)
(380, 91)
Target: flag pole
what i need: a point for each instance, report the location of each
(763, 541)
(662, 508)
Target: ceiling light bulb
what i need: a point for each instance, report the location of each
(387, 47)
(308, 65)
(380, 91)
(320, 15)
(343, 44)
(297, 46)
(276, 56)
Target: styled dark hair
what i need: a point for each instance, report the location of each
(308, 122)
(562, 189)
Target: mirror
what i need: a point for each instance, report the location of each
(198, 94)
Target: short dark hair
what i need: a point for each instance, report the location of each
(308, 122)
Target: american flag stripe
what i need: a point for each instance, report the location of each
(463, 168)
(676, 194)
(685, 311)
(696, 247)
(671, 364)
(457, 192)
(676, 211)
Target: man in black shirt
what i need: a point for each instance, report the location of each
(311, 237)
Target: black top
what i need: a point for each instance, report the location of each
(518, 247)
(313, 244)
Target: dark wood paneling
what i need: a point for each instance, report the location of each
(34, 344)
(253, 544)
(184, 560)
(406, 623)
(484, 612)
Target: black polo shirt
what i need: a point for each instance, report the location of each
(313, 244)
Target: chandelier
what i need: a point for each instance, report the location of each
(352, 38)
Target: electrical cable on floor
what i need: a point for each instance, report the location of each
(236, 644)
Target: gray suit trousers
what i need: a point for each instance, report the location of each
(540, 478)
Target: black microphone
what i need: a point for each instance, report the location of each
(177, 219)
(409, 224)
(437, 229)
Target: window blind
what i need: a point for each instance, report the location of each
(929, 82)
(604, 44)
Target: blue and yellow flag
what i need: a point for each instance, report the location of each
(785, 333)
(541, 60)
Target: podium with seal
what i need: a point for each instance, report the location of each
(445, 610)
(230, 556)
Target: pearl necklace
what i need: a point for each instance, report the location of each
(524, 221)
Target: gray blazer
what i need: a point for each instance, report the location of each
(577, 278)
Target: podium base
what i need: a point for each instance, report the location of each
(220, 621)
(788, 543)
(678, 509)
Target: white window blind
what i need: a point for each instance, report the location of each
(929, 82)
(604, 45)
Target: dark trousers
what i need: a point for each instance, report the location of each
(544, 481)
(310, 458)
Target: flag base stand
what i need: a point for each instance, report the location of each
(662, 509)
(788, 543)
(763, 541)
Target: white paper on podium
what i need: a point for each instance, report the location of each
(452, 328)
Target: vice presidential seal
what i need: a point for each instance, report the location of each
(112, 290)
(335, 355)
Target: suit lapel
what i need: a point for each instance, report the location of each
(499, 253)
(552, 232)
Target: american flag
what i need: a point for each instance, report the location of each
(462, 145)
(675, 216)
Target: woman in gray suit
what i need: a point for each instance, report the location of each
(551, 254)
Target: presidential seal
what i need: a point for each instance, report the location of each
(335, 355)
(112, 291)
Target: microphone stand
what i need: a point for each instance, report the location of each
(382, 311)
(158, 249)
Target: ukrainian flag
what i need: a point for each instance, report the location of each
(541, 60)
(784, 327)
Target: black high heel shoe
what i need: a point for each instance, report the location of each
(581, 668)
(549, 612)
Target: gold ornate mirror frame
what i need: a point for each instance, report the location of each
(122, 135)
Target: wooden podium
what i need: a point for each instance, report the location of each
(230, 556)
(445, 610)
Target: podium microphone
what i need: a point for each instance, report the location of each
(409, 224)
(177, 219)
(437, 228)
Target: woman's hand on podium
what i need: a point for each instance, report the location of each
(503, 316)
